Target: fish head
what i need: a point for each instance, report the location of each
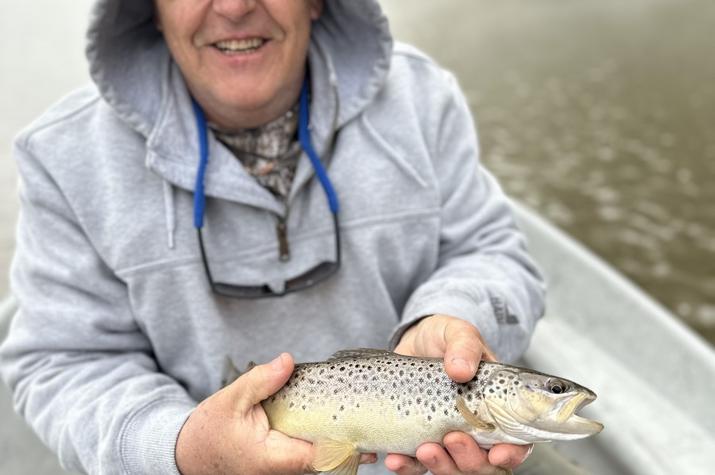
(532, 407)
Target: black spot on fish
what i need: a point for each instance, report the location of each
(407, 413)
(501, 381)
(392, 397)
(434, 409)
(446, 413)
(459, 391)
(491, 390)
(342, 407)
(399, 407)
(335, 418)
(469, 397)
(419, 400)
(402, 373)
(291, 404)
(422, 380)
(303, 406)
(429, 418)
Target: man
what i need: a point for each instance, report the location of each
(337, 202)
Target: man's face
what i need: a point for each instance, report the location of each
(243, 60)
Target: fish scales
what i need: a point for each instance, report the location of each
(377, 401)
(381, 403)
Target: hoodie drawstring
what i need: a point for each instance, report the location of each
(169, 213)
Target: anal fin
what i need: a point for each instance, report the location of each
(336, 457)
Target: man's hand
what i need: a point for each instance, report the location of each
(229, 433)
(462, 347)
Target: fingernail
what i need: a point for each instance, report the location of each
(277, 364)
(462, 363)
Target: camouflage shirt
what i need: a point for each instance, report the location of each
(269, 153)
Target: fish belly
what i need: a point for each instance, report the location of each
(372, 426)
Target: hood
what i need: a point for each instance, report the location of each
(130, 63)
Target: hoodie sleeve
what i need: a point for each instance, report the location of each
(484, 274)
(81, 371)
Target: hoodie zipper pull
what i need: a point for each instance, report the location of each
(282, 233)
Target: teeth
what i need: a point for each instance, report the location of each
(240, 45)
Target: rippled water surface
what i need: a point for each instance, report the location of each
(600, 115)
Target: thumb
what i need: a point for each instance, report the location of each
(262, 381)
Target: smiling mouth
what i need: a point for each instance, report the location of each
(245, 46)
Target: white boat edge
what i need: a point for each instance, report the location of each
(655, 377)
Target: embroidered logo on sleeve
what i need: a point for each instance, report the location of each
(502, 312)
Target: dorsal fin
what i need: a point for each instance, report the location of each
(231, 373)
(361, 353)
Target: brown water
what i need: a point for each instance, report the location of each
(597, 113)
(600, 115)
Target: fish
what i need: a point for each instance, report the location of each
(370, 400)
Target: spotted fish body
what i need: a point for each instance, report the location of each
(377, 401)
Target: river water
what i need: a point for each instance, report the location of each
(597, 113)
(600, 115)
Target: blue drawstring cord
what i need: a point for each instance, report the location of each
(305, 142)
(199, 195)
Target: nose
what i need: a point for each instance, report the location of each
(234, 9)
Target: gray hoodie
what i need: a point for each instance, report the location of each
(118, 333)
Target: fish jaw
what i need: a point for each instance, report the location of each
(562, 422)
(571, 426)
(528, 416)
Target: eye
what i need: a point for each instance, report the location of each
(556, 387)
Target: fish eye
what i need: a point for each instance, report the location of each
(556, 387)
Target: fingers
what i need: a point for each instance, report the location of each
(465, 452)
(404, 465)
(463, 350)
(368, 458)
(436, 459)
(287, 455)
(508, 455)
(261, 382)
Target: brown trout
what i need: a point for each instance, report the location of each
(369, 400)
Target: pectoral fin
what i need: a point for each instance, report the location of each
(337, 457)
(472, 418)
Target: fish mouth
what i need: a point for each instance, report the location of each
(569, 422)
